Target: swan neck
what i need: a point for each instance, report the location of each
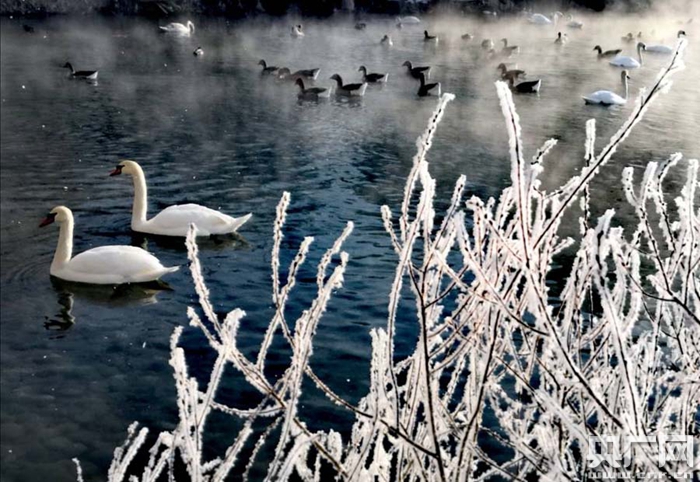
(64, 250)
(624, 83)
(138, 215)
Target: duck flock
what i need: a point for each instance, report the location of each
(128, 264)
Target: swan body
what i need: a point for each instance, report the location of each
(297, 31)
(573, 23)
(178, 29)
(629, 62)
(349, 90)
(81, 74)
(386, 40)
(106, 265)
(427, 89)
(539, 19)
(174, 220)
(372, 78)
(606, 97)
(407, 20)
(663, 49)
(416, 72)
(312, 92)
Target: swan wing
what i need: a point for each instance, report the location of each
(114, 265)
(175, 221)
(659, 49)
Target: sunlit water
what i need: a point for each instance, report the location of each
(78, 364)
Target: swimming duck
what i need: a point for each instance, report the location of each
(297, 31)
(607, 53)
(267, 69)
(308, 74)
(174, 220)
(426, 89)
(386, 40)
(509, 50)
(487, 44)
(178, 29)
(509, 74)
(528, 87)
(372, 77)
(429, 38)
(360, 26)
(312, 92)
(81, 74)
(199, 51)
(28, 28)
(467, 36)
(350, 90)
(416, 72)
(106, 265)
(606, 97)
(629, 62)
(629, 38)
(561, 39)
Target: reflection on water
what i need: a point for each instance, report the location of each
(213, 131)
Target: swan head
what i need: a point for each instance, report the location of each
(624, 75)
(59, 214)
(126, 167)
(641, 46)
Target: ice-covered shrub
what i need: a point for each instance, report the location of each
(614, 353)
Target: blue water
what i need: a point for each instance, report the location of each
(79, 364)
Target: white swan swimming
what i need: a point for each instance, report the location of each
(174, 220)
(663, 49)
(407, 20)
(606, 97)
(179, 29)
(629, 62)
(539, 19)
(106, 265)
(573, 23)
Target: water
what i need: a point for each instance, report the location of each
(79, 364)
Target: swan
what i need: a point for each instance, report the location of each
(663, 49)
(605, 97)
(386, 40)
(607, 53)
(407, 20)
(351, 90)
(178, 29)
(308, 74)
(312, 92)
(629, 62)
(425, 89)
(106, 265)
(430, 38)
(296, 31)
(539, 19)
(573, 23)
(509, 74)
(81, 74)
(267, 69)
(416, 72)
(528, 87)
(174, 220)
(372, 77)
(199, 51)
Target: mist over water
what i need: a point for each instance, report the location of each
(212, 130)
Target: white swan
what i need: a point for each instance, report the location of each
(606, 97)
(174, 220)
(663, 49)
(629, 62)
(539, 19)
(573, 23)
(179, 29)
(106, 265)
(407, 20)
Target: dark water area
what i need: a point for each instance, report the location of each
(80, 364)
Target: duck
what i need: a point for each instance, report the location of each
(629, 38)
(267, 69)
(429, 38)
(607, 53)
(308, 74)
(507, 74)
(105, 265)
(313, 93)
(629, 62)
(297, 31)
(416, 72)
(386, 40)
(373, 77)
(573, 23)
(487, 44)
(528, 87)
(467, 36)
(28, 28)
(561, 39)
(350, 90)
(509, 50)
(360, 26)
(81, 74)
(183, 30)
(198, 52)
(426, 89)
(664, 49)
(174, 220)
(606, 97)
